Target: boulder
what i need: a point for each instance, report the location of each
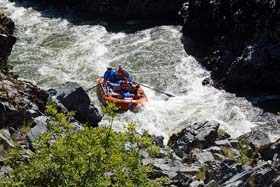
(199, 135)
(40, 126)
(74, 98)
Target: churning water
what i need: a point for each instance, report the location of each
(52, 50)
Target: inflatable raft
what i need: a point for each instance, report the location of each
(108, 94)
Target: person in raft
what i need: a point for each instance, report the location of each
(123, 74)
(110, 74)
(125, 88)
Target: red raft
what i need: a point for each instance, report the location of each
(111, 95)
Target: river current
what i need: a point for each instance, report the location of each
(51, 50)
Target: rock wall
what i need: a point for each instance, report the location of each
(113, 9)
(239, 41)
(7, 40)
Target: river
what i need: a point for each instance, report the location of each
(51, 50)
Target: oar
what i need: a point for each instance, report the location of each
(168, 94)
(92, 87)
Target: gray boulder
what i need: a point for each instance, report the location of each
(74, 98)
(199, 135)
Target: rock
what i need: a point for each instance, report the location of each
(74, 98)
(7, 40)
(203, 157)
(159, 141)
(267, 151)
(118, 9)
(18, 98)
(40, 127)
(166, 167)
(197, 184)
(276, 182)
(199, 135)
(181, 180)
(5, 138)
(223, 171)
(212, 184)
(261, 176)
(5, 171)
(237, 41)
(255, 138)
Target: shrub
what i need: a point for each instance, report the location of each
(92, 157)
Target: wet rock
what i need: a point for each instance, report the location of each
(74, 98)
(199, 135)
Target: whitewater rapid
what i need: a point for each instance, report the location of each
(51, 50)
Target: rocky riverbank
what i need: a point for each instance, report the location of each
(237, 41)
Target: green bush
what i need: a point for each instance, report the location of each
(95, 157)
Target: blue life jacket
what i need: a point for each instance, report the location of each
(125, 94)
(110, 75)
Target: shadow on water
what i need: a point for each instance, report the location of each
(112, 24)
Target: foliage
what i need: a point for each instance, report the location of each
(201, 175)
(91, 157)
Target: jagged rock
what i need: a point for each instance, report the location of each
(5, 138)
(181, 180)
(255, 138)
(276, 182)
(5, 171)
(197, 184)
(267, 151)
(166, 167)
(17, 98)
(212, 183)
(74, 98)
(203, 156)
(7, 40)
(199, 135)
(237, 41)
(261, 176)
(223, 171)
(159, 141)
(40, 127)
